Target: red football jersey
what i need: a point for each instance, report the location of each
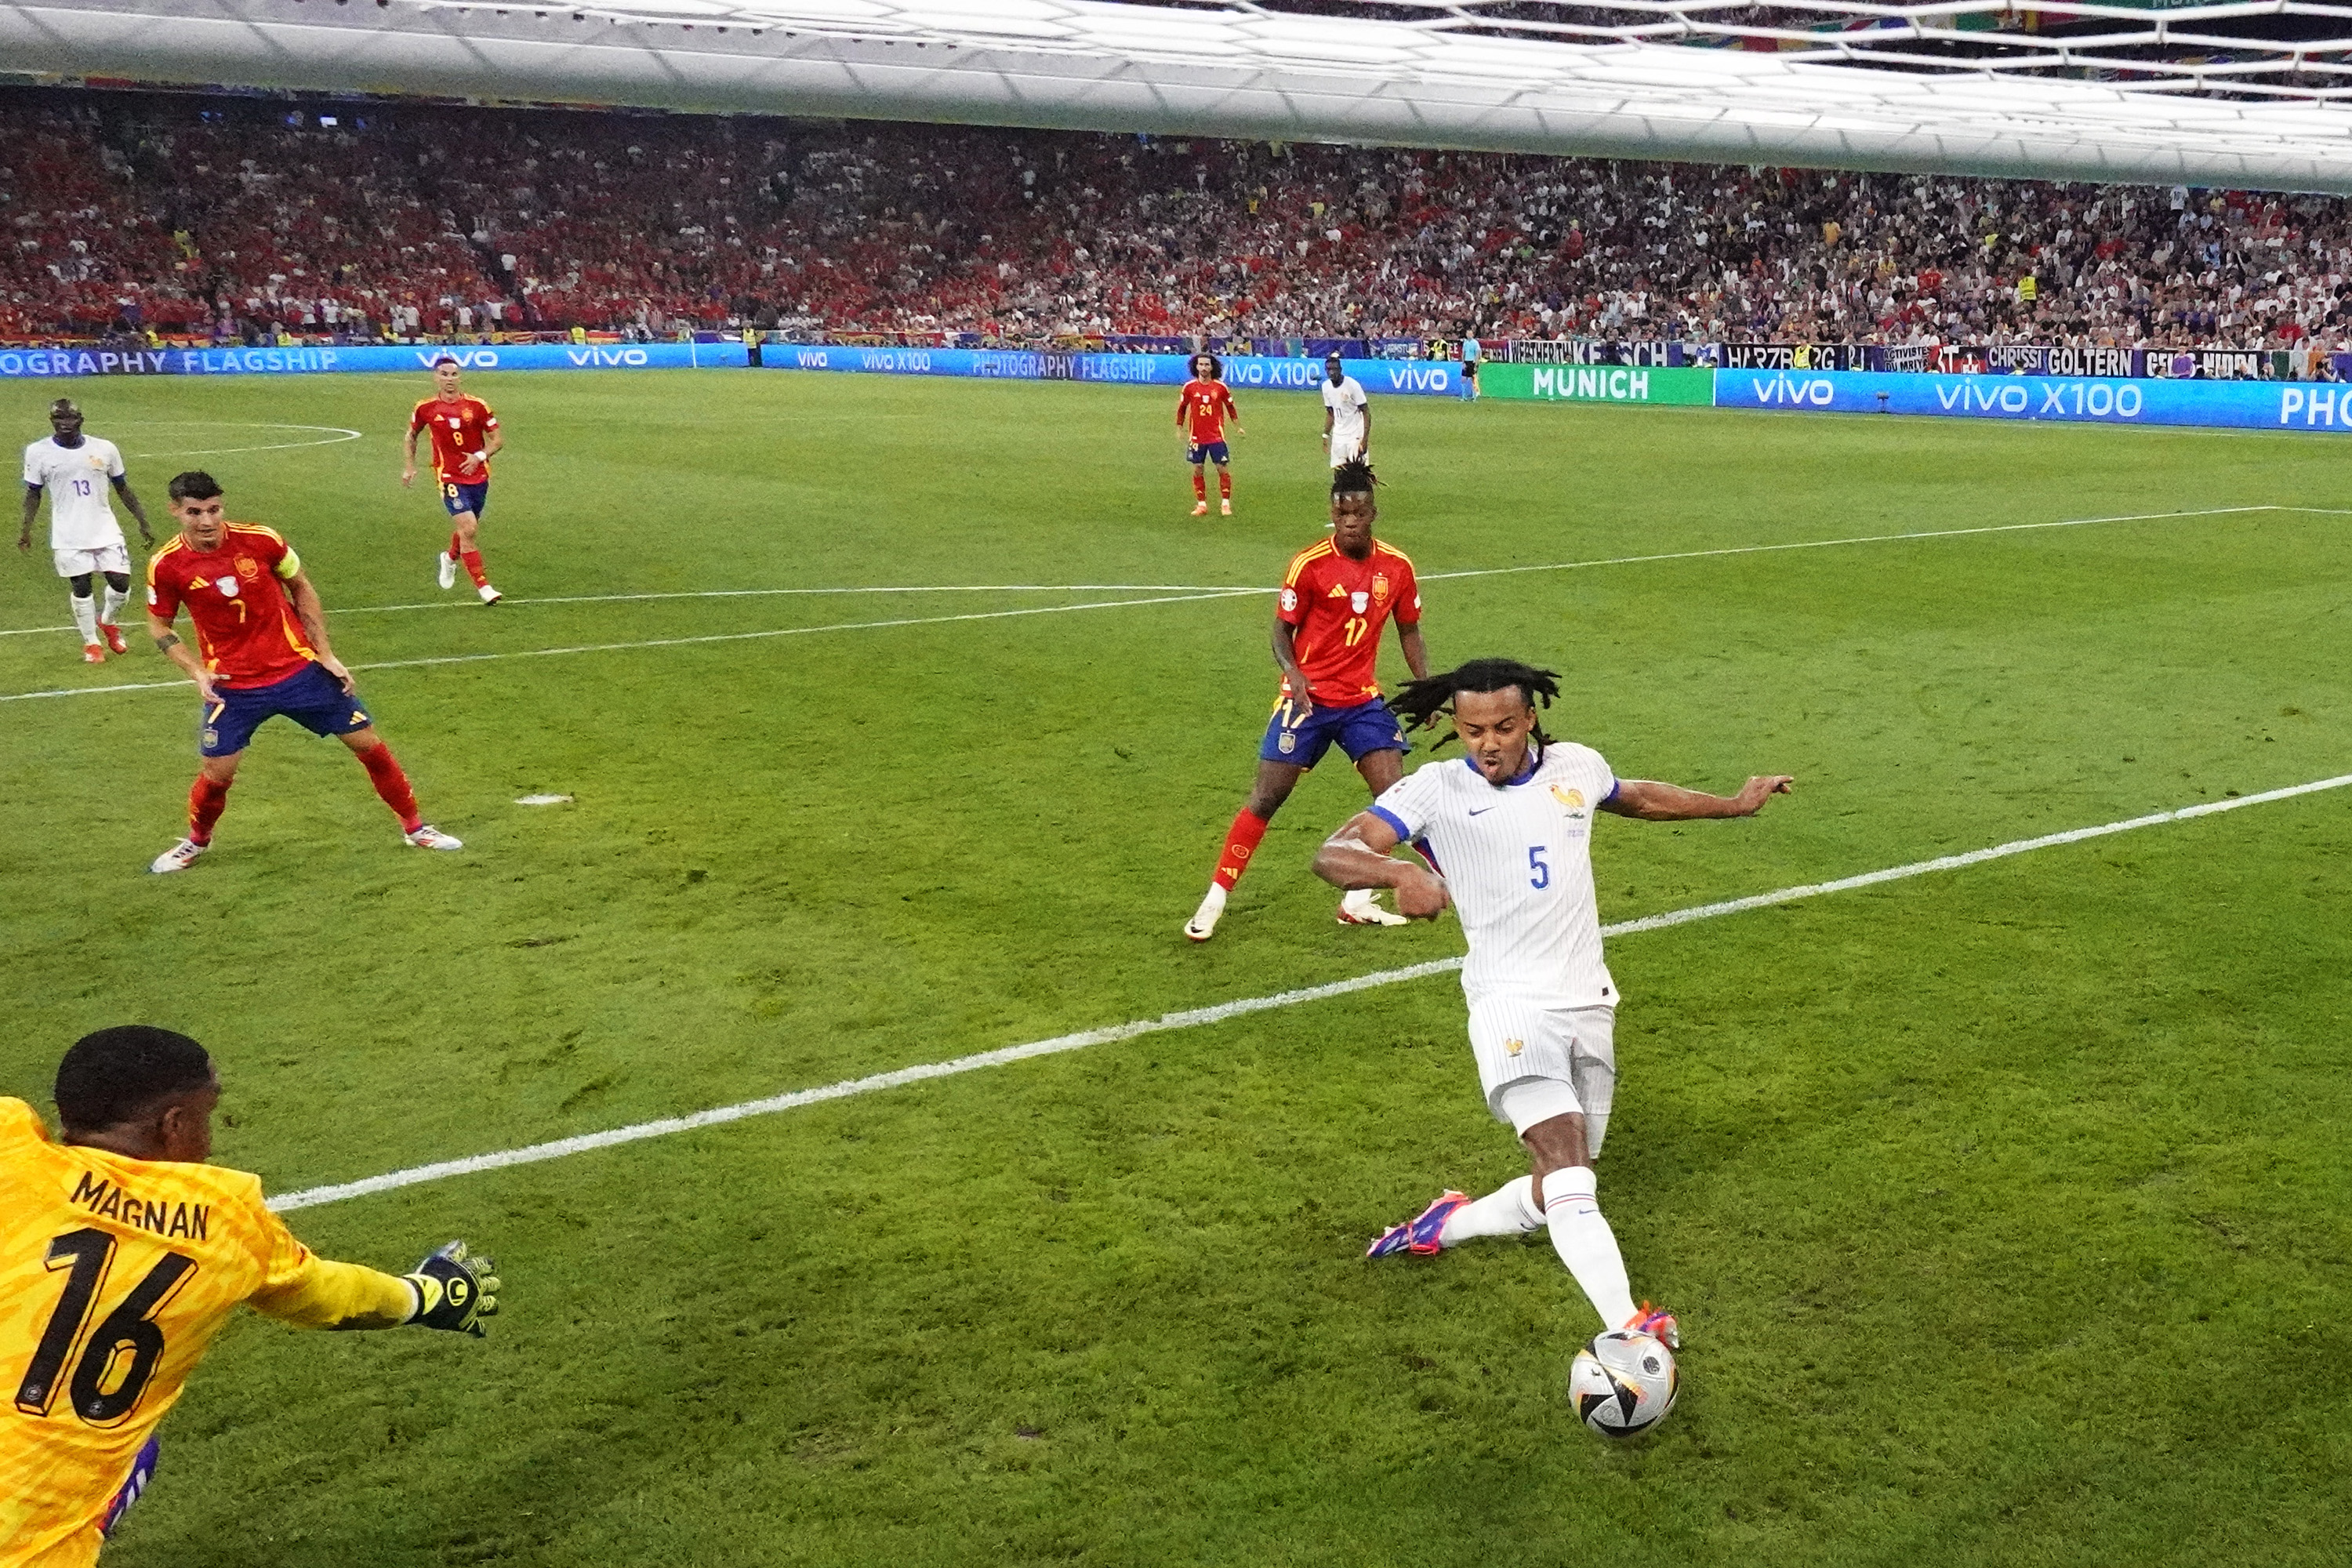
(1202, 407)
(1340, 607)
(459, 430)
(247, 631)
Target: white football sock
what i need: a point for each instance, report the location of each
(1509, 1210)
(85, 612)
(1585, 1243)
(111, 615)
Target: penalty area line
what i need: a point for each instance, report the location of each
(1222, 1012)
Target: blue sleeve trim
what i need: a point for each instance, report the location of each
(1405, 834)
(1614, 784)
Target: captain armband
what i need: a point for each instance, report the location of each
(166, 641)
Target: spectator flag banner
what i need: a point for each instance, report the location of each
(1598, 383)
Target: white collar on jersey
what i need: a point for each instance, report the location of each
(1534, 762)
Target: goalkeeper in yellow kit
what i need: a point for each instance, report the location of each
(121, 1254)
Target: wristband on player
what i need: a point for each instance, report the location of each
(453, 1290)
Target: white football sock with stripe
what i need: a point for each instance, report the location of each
(112, 613)
(1586, 1244)
(85, 612)
(1508, 1210)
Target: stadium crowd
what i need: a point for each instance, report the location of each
(235, 218)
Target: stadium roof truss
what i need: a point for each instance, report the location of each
(2256, 95)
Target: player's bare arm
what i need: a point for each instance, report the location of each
(168, 644)
(408, 459)
(1416, 651)
(1359, 856)
(1285, 658)
(31, 510)
(491, 446)
(1651, 801)
(121, 483)
(313, 616)
(1365, 451)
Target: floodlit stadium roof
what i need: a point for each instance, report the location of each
(2246, 94)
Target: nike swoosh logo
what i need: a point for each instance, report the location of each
(1481, 810)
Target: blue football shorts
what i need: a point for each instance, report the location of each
(457, 497)
(1360, 731)
(311, 697)
(1206, 452)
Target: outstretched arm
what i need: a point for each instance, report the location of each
(1358, 856)
(450, 1290)
(1654, 802)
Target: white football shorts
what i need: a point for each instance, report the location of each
(74, 562)
(1537, 1062)
(1347, 446)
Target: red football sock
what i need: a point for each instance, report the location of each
(206, 801)
(1224, 484)
(473, 559)
(456, 543)
(1240, 843)
(1200, 485)
(392, 784)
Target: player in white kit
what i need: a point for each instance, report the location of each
(1511, 826)
(1347, 414)
(74, 471)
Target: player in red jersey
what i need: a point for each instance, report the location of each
(1326, 639)
(466, 437)
(263, 635)
(1202, 410)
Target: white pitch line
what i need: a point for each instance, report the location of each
(679, 642)
(1184, 596)
(790, 593)
(1869, 538)
(1213, 590)
(532, 1154)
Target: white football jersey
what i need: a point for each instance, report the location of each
(1346, 402)
(1518, 859)
(76, 482)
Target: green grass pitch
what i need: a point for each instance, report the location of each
(2005, 1208)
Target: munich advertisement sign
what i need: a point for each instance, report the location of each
(1598, 383)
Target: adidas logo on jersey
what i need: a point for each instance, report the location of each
(1337, 592)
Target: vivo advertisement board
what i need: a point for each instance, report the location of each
(2230, 405)
(26, 362)
(1243, 373)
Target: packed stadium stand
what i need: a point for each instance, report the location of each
(238, 218)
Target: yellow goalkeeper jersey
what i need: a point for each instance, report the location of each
(115, 1274)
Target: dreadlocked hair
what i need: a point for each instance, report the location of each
(1353, 477)
(1421, 703)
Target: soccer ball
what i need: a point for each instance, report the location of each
(1622, 1382)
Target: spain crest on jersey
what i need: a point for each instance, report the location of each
(1380, 587)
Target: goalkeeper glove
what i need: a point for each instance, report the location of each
(453, 1290)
